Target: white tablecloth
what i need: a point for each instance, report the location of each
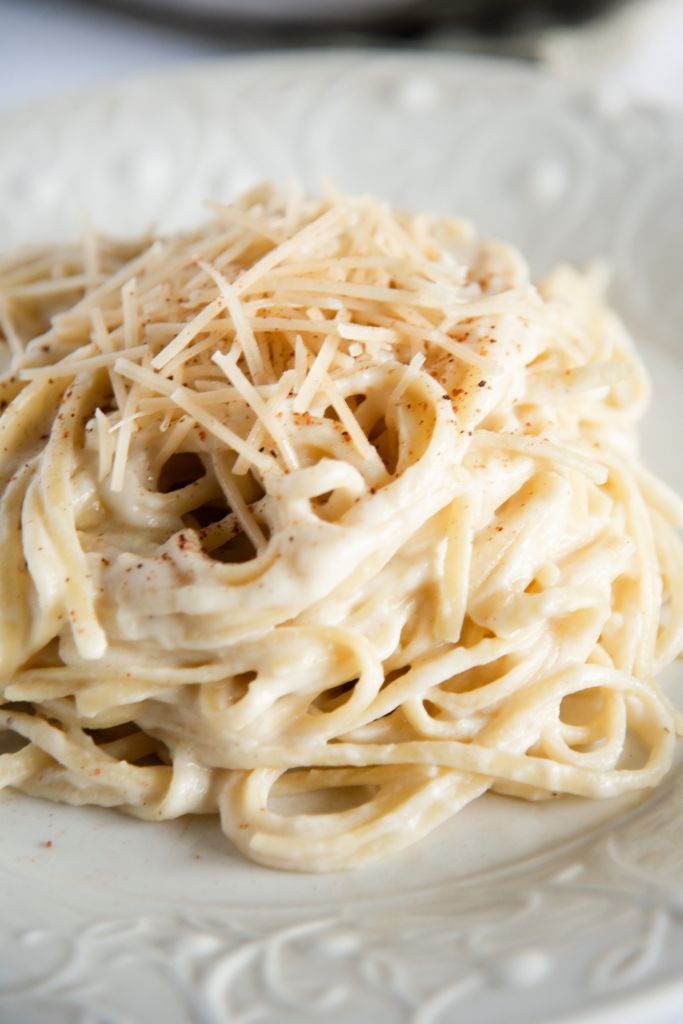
(48, 48)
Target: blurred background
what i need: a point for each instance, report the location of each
(50, 46)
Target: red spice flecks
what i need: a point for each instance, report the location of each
(49, 844)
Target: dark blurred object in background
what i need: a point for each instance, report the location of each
(403, 18)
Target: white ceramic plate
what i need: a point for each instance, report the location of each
(511, 912)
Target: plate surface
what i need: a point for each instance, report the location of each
(571, 911)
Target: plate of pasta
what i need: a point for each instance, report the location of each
(342, 587)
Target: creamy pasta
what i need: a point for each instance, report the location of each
(323, 518)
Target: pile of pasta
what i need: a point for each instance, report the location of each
(325, 519)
